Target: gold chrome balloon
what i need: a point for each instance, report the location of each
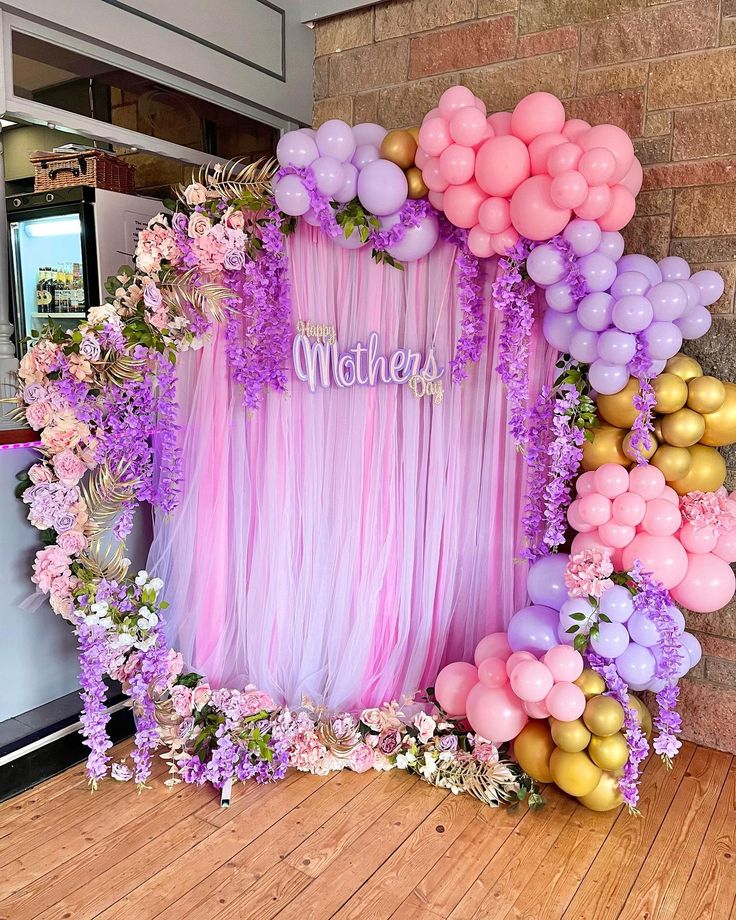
(603, 715)
(607, 446)
(631, 454)
(399, 147)
(643, 716)
(414, 131)
(683, 428)
(417, 188)
(569, 736)
(670, 392)
(720, 426)
(658, 430)
(533, 747)
(609, 753)
(707, 472)
(684, 366)
(618, 408)
(705, 394)
(575, 774)
(674, 462)
(605, 796)
(591, 683)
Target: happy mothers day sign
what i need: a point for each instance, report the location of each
(319, 361)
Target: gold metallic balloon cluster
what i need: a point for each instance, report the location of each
(400, 147)
(584, 757)
(694, 414)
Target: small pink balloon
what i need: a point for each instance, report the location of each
(531, 681)
(480, 242)
(454, 98)
(620, 210)
(453, 684)
(661, 519)
(420, 158)
(616, 535)
(501, 165)
(433, 176)
(597, 165)
(595, 509)
(434, 136)
(725, 548)
(494, 215)
(629, 509)
(575, 520)
(515, 658)
(565, 701)
(698, 539)
(592, 540)
(564, 662)
(495, 714)
(586, 483)
(536, 710)
(462, 204)
(500, 122)
(708, 585)
(574, 127)
(664, 557)
(538, 113)
(492, 672)
(596, 203)
(611, 480)
(494, 645)
(647, 481)
(437, 200)
(569, 189)
(505, 240)
(669, 493)
(467, 125)
(533, 213)
(539, 150)
(481, 106)
(457, 163)
(614, 139)
(633, 178)
(562, 158)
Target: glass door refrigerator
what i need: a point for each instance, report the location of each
(63, 247)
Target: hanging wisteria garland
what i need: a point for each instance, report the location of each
(642, 431)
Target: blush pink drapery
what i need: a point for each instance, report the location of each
(345, 544)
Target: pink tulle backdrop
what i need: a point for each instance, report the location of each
(345, 544)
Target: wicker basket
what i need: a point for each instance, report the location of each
(95, 168)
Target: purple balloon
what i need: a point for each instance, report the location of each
(611, 641)
(656, 367)
(310, 132)
(349, 187)
(616, 604)
(643, 264)
(311, 218)
(695, 322)
(296, 149)
(335, 139)
(611, 245)
(369, 133)
(636, 665)
(628, 283)
(382, 187)
(668, 300)
(545, 265)
(632, 313)
(349, 242)
(545, 581)
(365, 154)
(558, 329)
(692, 647)
(533, 629)
(616, 347)
(584, 345)
(568, 619)
(674, 268)
(291, 196)
(710, 284)
(584, 236)
(643, 629)
(692, 292)
(664, 340)
(328, 175)
(595, 311)
(418, 241)
(559, 297)
(598, 271)
(606, 378)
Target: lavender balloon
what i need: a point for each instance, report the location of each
(693, 648)
(695, 322)
(595, 311)
(611, 641)
(558, 329)
(418, 241)
(611, 245)
(710, 284)
(616, 604)
(664, 340)
(668, 300)
(678, 618)
(328, 175)
(568, 618)
(643, 264)
(692, 292)
(335, 139)
(643, 629)
(533, 629)
(369, 133)
(584, 346)
(636, 666)
(545, 581)
(632, 313)
(598, 271)
(616, 347)
(606, 378)
(296, 149)
(291, 196)
(382, 187)
(584, 236)
(349, 187)
(350, 242)
(545, 265)
(365, 154)
(674, 268)
(559, 297)
(628, 283)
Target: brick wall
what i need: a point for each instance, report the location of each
(665, 72)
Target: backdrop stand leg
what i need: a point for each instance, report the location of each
(226, 794)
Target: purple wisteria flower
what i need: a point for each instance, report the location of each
(642, 430)
(565, 456)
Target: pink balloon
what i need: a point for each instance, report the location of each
(537, 113)
(501, 165)
(575, 520)
(661, 519)
(669, 493)
(596, 204)
(457, 163)
(494, 645)
(515, 659)
(586, 483)
(563, 158)
(505, 240)
(462, 204)
(664, 557)
(453, 684)
(574, 127)
(569, 189)
(492, 672)
(725, 548)
(698, 539)
(495, 714)
(597, 166)
(633, 178)
(454, 98)
(533, 213)
(434, 136)
(647, 481)
(614, 139)
(531, 681)
(592, 540)
(480, 242)
(629, 509)
(595, 509)
(433, 176)
(564, 662)
(421, 157)
(536, 710)
(620, 210)
(708, 585)
(611, 480)
(437, 200)
(616, 535)
(480, 105)
(500, 122)
(494, 215)
(539, 150)
(565, 701)
(467, 125)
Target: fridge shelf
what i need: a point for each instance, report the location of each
(59, 315)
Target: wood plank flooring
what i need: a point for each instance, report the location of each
(369, 846)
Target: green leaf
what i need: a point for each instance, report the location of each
(572, 629)
(604, 618)
(577, 616)
(580, 642)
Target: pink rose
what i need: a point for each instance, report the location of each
(39, 415)
(181, 700)
(175, 664)
(34, 392)
(374, 719)
(62, 605)
(425, 725)
(68, 467)
(198, 225)
(201, 696)
(195, 194)
(234, 219)
(72, 542)
(39, 473)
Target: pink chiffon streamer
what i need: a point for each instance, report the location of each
(345, 544)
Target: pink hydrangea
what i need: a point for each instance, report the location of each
(72, 542)
(156, 244)
(709, 509)
(588, 573)
(68, 467)
(181, 700)
(361, 758)
(253, 701)
(51, 563)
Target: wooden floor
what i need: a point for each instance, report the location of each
(369, 846)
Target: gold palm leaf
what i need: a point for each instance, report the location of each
(124, 367)
(180, 293)
(493, 784)
(105, 494)
(236, 180)
(105, 561)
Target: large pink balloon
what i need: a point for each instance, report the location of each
(614, 139)
(480, 242)
(434, 136)
(539, 150)
(457, 162)
(633, 178)
(537, 113)
(611, 480)
(564, 663)
(708, 585)
(575, 520)
(574, 127)
(596, 204)
(533, 213)
(501, 165)
(452, 686)
(647, 481)
(615, 534)
(619, 211)
(494, 215)
(664, 557)
(595, 509)
(562, 158)
(494, 645)
(565, 701)
(629, 509)
(500, 122)
(467, 125)
(726, 546)
(597, 165)
(462, 204)
(662, 518)
(505, 240)
(699, 539)
(569, 189)
(454, 98)
(495, 714)
(492, 672)
(531, 681)
(433, 176)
